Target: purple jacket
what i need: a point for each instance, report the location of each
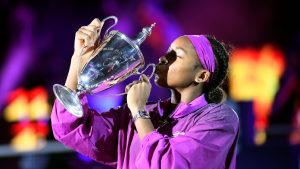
(197, 135)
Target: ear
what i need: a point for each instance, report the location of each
(202, 76)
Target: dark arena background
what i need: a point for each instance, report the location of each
(263, 86)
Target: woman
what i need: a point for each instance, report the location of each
(192, 129)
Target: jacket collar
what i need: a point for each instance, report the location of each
(182, 109)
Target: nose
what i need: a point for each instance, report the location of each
(163, 60)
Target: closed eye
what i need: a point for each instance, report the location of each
(172, 53)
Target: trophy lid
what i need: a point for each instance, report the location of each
(146, 31)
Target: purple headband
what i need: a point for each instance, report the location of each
(204, 51)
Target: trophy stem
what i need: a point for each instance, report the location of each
(69, 99)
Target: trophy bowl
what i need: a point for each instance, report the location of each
(116, 58)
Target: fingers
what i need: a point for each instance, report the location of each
(98, 24)
(87, 35)
(130, 85)
(143, 79)
(83, 37)
(90, 28)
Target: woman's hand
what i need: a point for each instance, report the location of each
(86, 41)
(137, 94)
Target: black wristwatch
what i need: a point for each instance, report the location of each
(141, 114)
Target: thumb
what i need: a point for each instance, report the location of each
(96, 22)
(144, 78)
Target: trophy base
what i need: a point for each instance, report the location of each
(69, 99)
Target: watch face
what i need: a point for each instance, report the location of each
(143, 113)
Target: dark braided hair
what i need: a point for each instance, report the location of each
(213, 91)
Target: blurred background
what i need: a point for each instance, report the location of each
(263, 84)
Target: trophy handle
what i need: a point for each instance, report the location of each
(107, 18)
(105, 36)
(137, 72)
(152, 65)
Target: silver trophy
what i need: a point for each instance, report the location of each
(116, 58)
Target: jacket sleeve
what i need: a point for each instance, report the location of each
(209, 144)
(94, 134)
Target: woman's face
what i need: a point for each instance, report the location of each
(178, 67)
